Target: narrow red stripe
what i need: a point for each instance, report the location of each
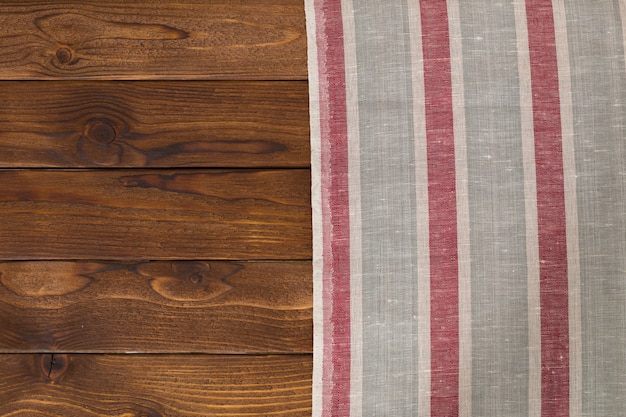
(444, 274)
(335, 209)
(550, 210)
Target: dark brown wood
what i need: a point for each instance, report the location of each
(173, 273)
(183, 39)
(155, 385)
(151, 215)
(154, 124)
(200, 306)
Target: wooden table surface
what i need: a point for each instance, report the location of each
(155, 220)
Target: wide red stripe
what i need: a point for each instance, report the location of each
(335, 209)
(550, 210)
(444, 297)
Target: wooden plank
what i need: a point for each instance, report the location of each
(154, 124)
(155, 385)
(183, 39)
(199, 306)
(155, 215)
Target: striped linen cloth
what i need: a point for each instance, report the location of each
(469, 205)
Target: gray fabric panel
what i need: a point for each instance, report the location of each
(388, 209)
(599, 96)
(496, 199)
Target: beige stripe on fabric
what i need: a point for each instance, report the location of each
(530, 209)
(421, 188)
(316, 203)
(354, 192)
(462, 200)
(571, 211)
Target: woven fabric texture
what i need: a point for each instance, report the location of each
(469, 199)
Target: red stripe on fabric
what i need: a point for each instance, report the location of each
(444, 297)
(335, 209)
(550, 209)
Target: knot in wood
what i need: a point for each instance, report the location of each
(53, 366)
(64, 55)
(102, 132)
(195, 278)
(99, 142)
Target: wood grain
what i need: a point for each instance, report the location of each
(194, 306)
(155, 385)
(155, 215)
(183, 39)
(154, 124)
